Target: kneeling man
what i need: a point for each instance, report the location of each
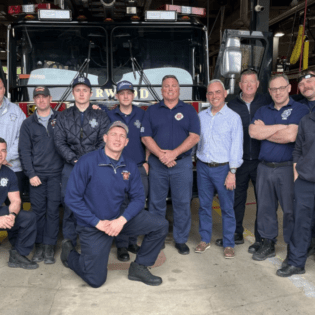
(20, 224)
(95, 192)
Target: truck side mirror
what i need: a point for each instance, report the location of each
(232, 61)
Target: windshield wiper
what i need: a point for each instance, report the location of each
(136, 67)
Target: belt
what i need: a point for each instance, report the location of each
(214, 164)
(275, 165)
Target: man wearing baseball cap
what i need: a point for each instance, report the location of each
(95, 193)
(79, 130)
(132, 116)
(43, 165)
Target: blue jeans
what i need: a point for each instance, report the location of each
(210, 179)
(179, 179)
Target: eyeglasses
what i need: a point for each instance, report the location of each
(249, 69)
(281, 88)
(305, 76)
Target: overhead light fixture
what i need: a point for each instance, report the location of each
(279, 34)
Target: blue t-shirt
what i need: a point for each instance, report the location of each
(135, 149)
(8, 183)
(287, 115)
(170, 127)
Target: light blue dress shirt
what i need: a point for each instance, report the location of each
(221, 138)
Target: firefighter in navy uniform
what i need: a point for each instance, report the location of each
(20, 224)
(132, 116)
(79, 130)
(96, 190)
(43, 165)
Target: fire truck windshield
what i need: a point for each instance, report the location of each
(52, 54)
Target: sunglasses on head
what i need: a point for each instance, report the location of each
(305, 76)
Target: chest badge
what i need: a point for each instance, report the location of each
(179, 116)
(137, 123)
(4, 182)
(286, 114)
(125, 175)
(53, 123)
(93, 123)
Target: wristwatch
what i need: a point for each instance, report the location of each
(233, 170)
(12, 213)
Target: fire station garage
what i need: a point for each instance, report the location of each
(253, 251)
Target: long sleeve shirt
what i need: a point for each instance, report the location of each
(221, 138)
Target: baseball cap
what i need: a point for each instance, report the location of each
(124, 85)
(41, 90)
(82, 80)
(118, 123)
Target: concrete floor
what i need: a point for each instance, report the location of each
(193, 284)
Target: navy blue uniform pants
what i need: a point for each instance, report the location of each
(45, 200)
(179, 179)
(123, 240)
(275, 185)
(246, 172)
(210, 179)
(69, 222)
(303, 213)
(91, 264)
(23, 233)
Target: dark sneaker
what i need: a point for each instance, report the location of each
(285, 262)
(39, 253)
(18, 261)
(254, 247)
(266, 250)
(289, 271)
(122, 254)
(183, 249)
(49, 253)
(141, 273)
(66, 248)
(133, 248)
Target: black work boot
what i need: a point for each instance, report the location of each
(18, 261)
(285, 262)
(141, 273)
(266, 250)
(122, 254)
(254, 247)
(49, 252)
(39, 253)
(66, 248)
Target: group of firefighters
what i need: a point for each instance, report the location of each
(103, 165)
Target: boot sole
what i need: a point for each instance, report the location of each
(292, 274)
(24, 266)
(49, 262)
(264, 258)
(147, 283)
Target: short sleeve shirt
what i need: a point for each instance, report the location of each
(287, 115)
(170, 127)
(8, 183)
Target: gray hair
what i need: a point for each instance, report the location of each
(276, 76)
(214, 81)
(169, 76)
(249, 72)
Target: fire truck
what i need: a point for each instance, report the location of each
(49, 46)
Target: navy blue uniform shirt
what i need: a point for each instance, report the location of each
(135, 148)
(96, 189)
(170, 127)
(8, 183)
(287, 115)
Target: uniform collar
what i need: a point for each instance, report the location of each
(104, 159)
(120, 113)
(272, 105)
(180, 103)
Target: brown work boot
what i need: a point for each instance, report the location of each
(201, 247)
(229, 252)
